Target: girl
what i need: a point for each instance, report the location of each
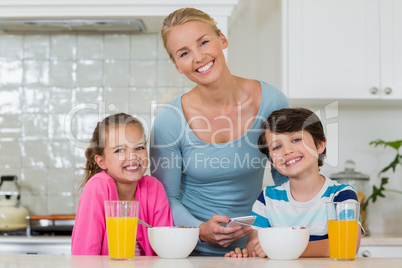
(205, 142)
(116, 162)
(294, 140)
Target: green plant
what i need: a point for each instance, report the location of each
(379, 192)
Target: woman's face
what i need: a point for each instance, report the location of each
(197, 51)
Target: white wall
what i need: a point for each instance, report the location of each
(252, 52)
(255, 52)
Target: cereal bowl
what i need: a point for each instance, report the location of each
(283, 243)
(173, 242)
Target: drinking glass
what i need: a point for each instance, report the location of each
(343, 218)
(121, 226)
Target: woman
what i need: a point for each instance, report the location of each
(204, 147)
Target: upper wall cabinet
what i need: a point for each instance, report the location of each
(342, 49)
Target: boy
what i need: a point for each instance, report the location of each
(294, 141)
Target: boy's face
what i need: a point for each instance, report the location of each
(294, 154)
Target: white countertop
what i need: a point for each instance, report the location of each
(35, 261)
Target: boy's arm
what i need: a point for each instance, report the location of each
(250, 245)
(321, 248)
(318, 248)
(359, 237)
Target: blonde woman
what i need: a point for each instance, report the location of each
(204, 146)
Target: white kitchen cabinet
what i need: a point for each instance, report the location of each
(381, 246)
(380, 251)
(35, 245)
(342, 49)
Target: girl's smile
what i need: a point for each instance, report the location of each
(133, 168)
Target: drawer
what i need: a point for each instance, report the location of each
(380, 251)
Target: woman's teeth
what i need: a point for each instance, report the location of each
(205, 67)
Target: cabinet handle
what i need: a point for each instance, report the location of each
(366, 254)
(388, 90)
(373, 90)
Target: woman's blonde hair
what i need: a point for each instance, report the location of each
(98, 141)
(182, 16)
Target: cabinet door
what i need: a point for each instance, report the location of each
(332, 49)
(391, 49)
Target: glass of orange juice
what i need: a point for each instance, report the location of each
(121, 226)
(342, 223)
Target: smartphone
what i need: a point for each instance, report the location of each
(241, 221)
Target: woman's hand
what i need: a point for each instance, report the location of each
(213, 232)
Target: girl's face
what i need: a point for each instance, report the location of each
(294, 154)
(125, 156)
(197, 51)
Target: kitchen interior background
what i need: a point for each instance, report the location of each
(255, 51)
(44, 77)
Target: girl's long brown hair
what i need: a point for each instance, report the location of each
(98, 141)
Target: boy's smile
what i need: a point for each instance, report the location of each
(293, 160)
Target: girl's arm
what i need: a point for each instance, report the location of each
(90, 225)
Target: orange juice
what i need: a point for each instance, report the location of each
(121, 235)
(342, 236)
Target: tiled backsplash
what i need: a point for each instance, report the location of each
(53, 81)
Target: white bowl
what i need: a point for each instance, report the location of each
(283, 243)
(173, 242)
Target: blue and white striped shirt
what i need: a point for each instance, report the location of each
(275, 206)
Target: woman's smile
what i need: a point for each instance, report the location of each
(205, 67)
